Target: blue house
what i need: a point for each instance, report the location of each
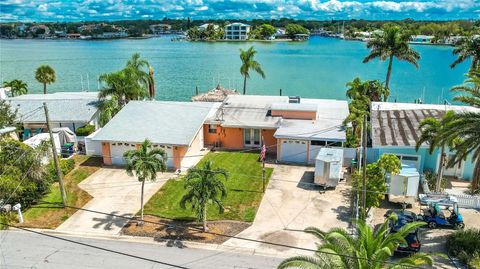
(395, 130)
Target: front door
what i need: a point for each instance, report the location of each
(456, 170)
(251, 137)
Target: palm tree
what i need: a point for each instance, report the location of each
(204, 186)
(369, 249)
(139, 67)
(466, 48)
(145, 162)
(466, 125)
(393, 42)
(431, 134)
(248, 62)
(151, 83)
(45, 75)
(108, 108)
(18, 87)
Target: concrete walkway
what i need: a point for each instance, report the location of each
(113, 192)
(291, 204)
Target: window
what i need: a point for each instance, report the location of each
(212, 128)
(251, 137)
(410, 158)
(334, 144)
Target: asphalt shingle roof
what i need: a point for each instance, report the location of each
(168, 123)
(62, 107)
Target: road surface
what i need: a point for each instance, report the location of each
(20, 249)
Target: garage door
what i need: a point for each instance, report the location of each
(294, 151)
(118, 149)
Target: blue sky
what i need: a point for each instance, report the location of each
(76, 10)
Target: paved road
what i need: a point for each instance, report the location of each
(113, 192)
(26, 250)
(290, 205)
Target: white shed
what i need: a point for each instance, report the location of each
(403, 187)
(328, 167)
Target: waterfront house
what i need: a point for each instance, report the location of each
(159, 29)
(204, 26)
(422, 39)
(292, 128)
(66, 109)
(237, 31)
(395, 130)
(176, 127)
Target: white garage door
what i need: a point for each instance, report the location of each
(118, 149)
(294, 151)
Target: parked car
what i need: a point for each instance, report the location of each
(413, 239)
(443, 214)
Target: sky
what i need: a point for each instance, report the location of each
(85, 10)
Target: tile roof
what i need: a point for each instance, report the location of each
(168, 123)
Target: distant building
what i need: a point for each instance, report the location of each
(111, 35)
(204, 26)
(73, 36)
(423, 39)
(237, 31)
(158, 29)
(60, 34)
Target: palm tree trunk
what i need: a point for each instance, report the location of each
(141, 201)
(244, 85)
(44, 88)
(389, 73)
(205, 228)
(476, 175)
(441, 168)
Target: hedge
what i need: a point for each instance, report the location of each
(85, 130)
(66, 165)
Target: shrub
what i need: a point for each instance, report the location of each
(85, 130)
(431, 179)
(465, 245)
(66, 165)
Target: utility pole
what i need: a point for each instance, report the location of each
(364, 166)
(55, 158)
(263, 156)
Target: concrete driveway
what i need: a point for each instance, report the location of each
(113, 192)
(291, 204)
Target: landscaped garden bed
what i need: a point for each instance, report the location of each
(244, 194)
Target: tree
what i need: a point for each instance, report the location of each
(362, 94)
(7, 114)
(145, 163)
(431, 133)
(375, 181)
(108, 108)
(18, 87)
(139, 68)
(466, 126)
(248, 62)
(393, 42)
(45, 75)
(264, 31)
(293, 29)
(468, 47)
(204, 186)
(369, 249)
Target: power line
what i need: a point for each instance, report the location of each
(96, 247)
(229, 236)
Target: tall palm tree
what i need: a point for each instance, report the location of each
(145, 163)
(18, 87)
(370, 249)
(393, 42)
(139, 69)
(432, 130)
(248, 62)
(468, 47)
(466, 125)
(108, 108)
(151, 83)
(204, 185)
(45, 75)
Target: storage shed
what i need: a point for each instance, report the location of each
(403, 187)
(328, 167)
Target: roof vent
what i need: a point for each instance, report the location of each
(294, 99)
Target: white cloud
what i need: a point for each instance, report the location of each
(43, 7)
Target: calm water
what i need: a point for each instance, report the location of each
(317, 68)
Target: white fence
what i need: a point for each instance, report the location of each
(468, 201)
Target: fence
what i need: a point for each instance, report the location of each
(468, 201)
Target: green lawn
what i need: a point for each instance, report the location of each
(244, 188)
(50, 216)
